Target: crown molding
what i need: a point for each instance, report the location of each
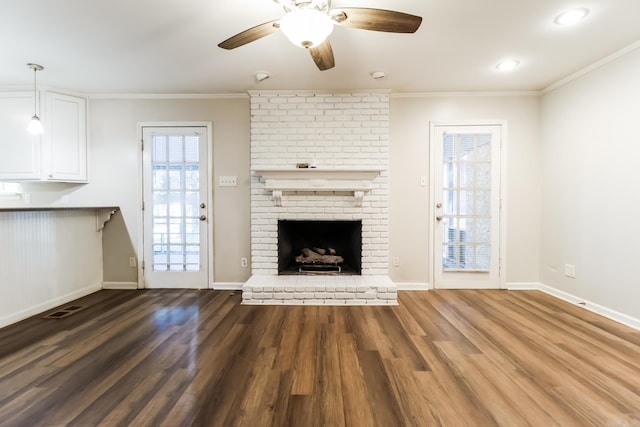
(591, 68)
(464, 94)
(168, 96)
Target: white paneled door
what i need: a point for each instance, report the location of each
(466, 206)
(176, 207)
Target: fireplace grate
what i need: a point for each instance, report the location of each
(319, 268)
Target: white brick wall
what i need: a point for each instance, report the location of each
(339, 130)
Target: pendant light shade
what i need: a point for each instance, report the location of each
(35, 125)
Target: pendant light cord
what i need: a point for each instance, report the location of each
(35, 93)
(35, 68)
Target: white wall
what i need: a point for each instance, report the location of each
(114, 168)
(410, 212)
(47, 258)
(590, 148)
(115, 162)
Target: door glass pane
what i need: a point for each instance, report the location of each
(191, 153)
(466, 201)
(483, 174)
(160, 178)
(176, 227)
(175, 178)
(483, 203)
(159, 149)
(176, 149)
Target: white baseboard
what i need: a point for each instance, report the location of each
(591, 306)
(227, 286)
(523, 286)
(418, 286)
(632, 322)
(120, 285)
(48, 305)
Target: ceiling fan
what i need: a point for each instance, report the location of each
(308, 23)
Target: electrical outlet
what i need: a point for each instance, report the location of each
(396, 261)
(244, 263)
(570, 270)
(132, 261)
(227, 181)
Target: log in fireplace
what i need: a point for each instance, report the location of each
(311, 246)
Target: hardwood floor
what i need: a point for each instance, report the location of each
(451, 358)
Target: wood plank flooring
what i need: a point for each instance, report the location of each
(199, 358)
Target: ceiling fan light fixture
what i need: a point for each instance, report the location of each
(571, 17)
(306, 27)
(376, 75)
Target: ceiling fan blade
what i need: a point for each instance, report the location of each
(376, 19)
(252, 34)
(323, 56)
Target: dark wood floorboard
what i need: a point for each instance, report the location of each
(440, 358)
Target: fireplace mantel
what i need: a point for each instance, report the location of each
(355, 181)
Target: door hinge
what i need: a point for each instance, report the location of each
(142, 145)
(143, 205)
(142, 264)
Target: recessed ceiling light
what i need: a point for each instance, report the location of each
(572, 16)
(507, 65)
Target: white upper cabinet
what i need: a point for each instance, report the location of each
(60, 154)
(19, 150)
(66, 138)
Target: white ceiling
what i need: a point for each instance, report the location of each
(170, 46)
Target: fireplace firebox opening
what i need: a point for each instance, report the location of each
(313, 247)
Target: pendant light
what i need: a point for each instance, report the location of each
(35, 125)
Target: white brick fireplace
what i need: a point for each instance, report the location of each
(346, 136)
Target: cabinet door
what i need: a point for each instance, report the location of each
(66, 138)
(19, 150)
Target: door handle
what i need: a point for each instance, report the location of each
(203, 217)
(202, 205)
(439, 218)
(438, 205)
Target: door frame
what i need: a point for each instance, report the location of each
(502, 210)
(140, 194)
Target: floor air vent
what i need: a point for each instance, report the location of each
(64, 312)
